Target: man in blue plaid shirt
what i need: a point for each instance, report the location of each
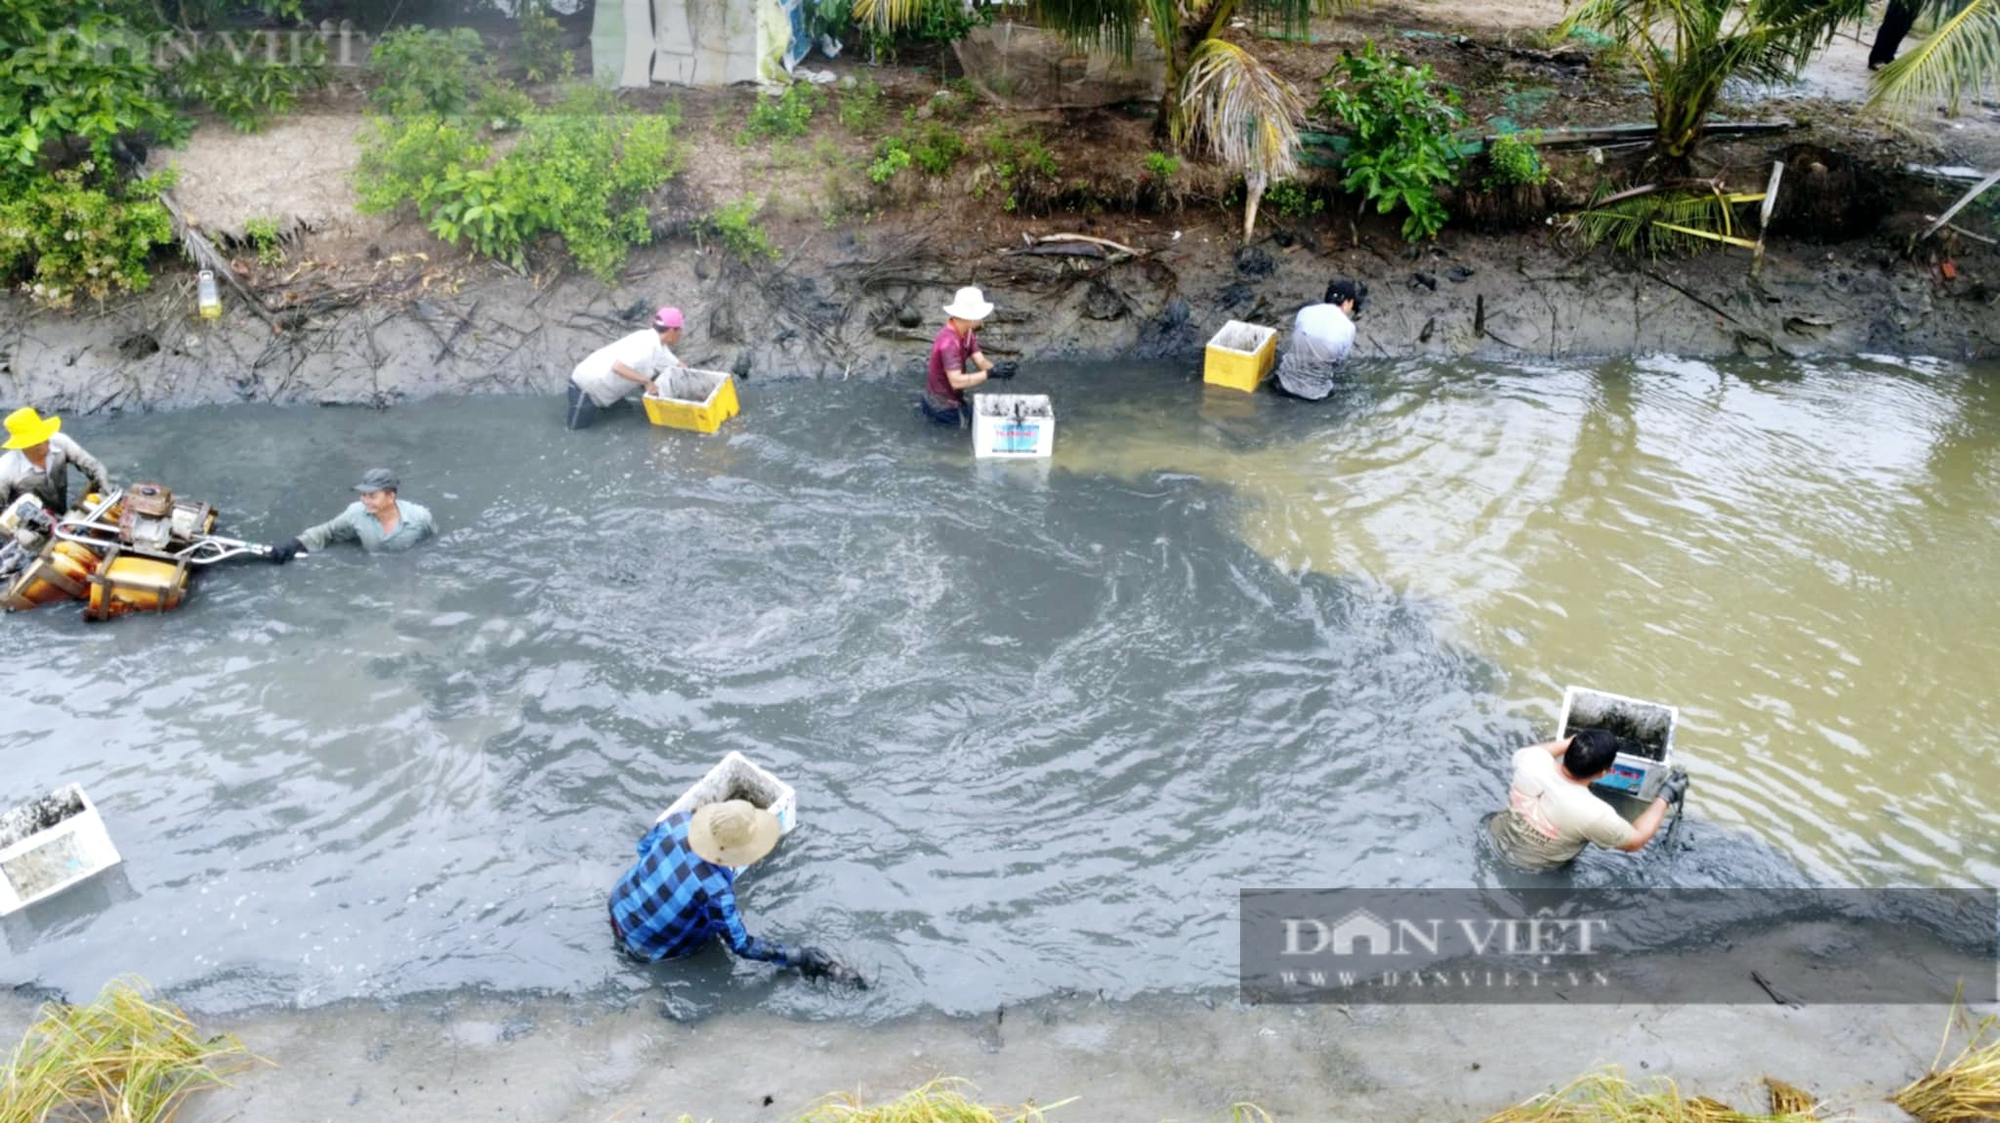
(682, 892)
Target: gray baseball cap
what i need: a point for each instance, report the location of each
(377, 479)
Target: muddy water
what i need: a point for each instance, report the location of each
(1044, 720)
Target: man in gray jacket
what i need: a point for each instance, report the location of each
(380, 521)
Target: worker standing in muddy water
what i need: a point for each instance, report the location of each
(1552, 815)
(956, 363)
(620, 369)
(681, 894)
(379, 521)
(1322, 338)
(38, 459)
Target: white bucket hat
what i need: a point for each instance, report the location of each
(734, 833)
(969, 304)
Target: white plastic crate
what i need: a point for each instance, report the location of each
(50, 844)
(1648, 725)
(737, 778)
(1013, 425)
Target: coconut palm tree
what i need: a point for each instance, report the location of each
(1960, 58)
(1217, 93)
(1687, 49)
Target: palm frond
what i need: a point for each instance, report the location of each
(1248, 115)
(1644, 223)
(1959, 60)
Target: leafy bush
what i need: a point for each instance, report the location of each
(1161, 166)
(1514, 161)
(1021, 166)
(936, 148)
(1293, 199)
(62, 77)
(737, 227)
(584, 171)
(245, 87)
(426, 71)
(1402, 147)
(540, 49)
(502, 107)
(262, 234)
(783, 117)
(81, 232)
(892, 156)
(862, 109)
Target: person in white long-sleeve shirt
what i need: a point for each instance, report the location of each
(627, 366)
(38, 460)
(1322, 338)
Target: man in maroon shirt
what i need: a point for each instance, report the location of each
(956, 362)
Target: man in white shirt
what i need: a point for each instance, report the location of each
(1322, 338)
(38, 460)
(618, 370)
(1552, 815)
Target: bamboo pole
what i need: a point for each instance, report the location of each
(1764, 216)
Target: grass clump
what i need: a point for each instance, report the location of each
(1292, 199)
(1963, 1091)
(1020, 167)
(940, 1101)
(262, 234)
(735, 225)
(862, 108)
(1512, 160)
(1161, 166)
(1607, 1097)
(124, 1057)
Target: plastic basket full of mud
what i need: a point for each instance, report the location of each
(735, 777)
(697, 400)
(1645, 732)
(48, 845)
(1240, 355)
(1013, 425)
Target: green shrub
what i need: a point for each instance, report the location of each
(262, 234)
(735, 225)
(583, 171)
(892, 156)
(1514, 161)
(502, 107)
(78, 232)
(1021, 167)
(783, 117)
(862, 109)
(248, 90)
(64, 75)
(539, 51)
(1292, 199)
(1402, 148)
(426, 71)
(935, 148)
(1161, 166)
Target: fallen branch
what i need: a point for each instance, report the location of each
(1105, 242)
(1951, 212)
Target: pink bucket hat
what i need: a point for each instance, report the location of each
(667, 318)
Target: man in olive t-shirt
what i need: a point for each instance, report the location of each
(1552, 814)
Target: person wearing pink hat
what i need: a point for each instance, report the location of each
(618, 370)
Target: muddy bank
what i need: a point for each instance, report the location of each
(864, 303)
(550, 1059)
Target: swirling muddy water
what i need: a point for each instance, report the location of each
(1044, 720)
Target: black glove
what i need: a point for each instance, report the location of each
(1675, 788)
(286, 551)
(1006, 368)
(814, 963)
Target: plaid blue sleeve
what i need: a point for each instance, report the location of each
(723, 916)
(653, 837)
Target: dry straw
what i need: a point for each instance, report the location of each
(940, 1101)
(1607, 1097)
(125, 1058)
(1967, 1089)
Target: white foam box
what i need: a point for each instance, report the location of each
(1648, 725)
(1013, 425)
(50, 844)
(736, 777)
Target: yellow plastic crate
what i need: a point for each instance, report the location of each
(1240, 355)
(700, 400)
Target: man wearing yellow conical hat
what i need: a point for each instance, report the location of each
(38, 459)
